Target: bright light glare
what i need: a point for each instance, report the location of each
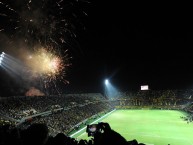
(1, 57)
(110, 90)
(106, 82)
(145, 87)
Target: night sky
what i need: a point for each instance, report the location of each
(135, 44)
(132, 45)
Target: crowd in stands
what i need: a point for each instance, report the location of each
(16, 106)
(166, 99)
(73, 109)
(67, 112)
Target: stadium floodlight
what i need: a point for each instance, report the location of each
(1, 58)
(2, 54)
(106, 82)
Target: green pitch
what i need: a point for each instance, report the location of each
(153, 127)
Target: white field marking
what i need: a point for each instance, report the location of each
(92, 123)
(81, 135)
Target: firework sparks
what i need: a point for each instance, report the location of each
(41, 21)
(46, 63)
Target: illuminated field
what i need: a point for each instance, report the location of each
(158, 127)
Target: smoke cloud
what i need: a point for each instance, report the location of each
(34, 92)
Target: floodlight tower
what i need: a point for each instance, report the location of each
(106, 82)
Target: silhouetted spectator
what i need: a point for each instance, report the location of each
(36, 134)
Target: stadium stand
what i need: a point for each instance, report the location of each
(59, 116)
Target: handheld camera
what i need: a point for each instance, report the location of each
(92, 129)
(99, 128)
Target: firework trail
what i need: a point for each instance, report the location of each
(43, 22)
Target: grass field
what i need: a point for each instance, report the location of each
(155, 127)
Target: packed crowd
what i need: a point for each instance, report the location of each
(16, 106)
(166, 99)
(66, 111)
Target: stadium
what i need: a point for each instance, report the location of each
(55, 54)
(150, 117)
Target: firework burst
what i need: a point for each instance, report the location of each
(48, 67)
(46, 62)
